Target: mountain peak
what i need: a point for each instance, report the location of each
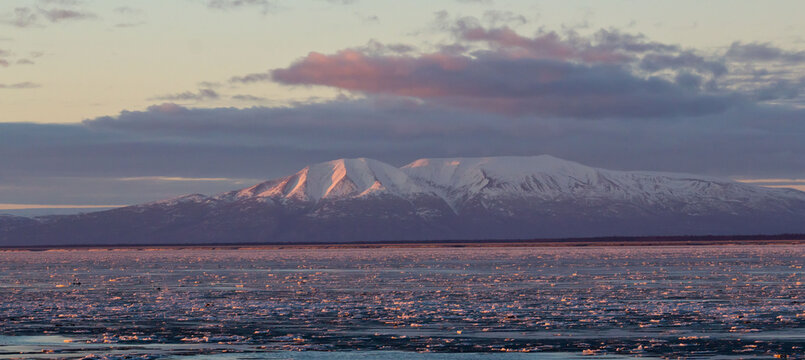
(337, 179)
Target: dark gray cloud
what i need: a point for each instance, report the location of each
(615, 39)
(683, 60)
(762, 52)
(395, 130)
(781, 89)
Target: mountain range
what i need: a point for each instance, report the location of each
(365, 200)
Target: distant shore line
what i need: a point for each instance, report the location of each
(784, 239)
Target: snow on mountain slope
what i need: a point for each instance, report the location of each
(459, 180)
(342, 178)
(547, 177)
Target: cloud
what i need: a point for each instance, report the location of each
(797, 184)
(22, 17)
(603, 46)
(59, 15)
(485, 2)
(245, 97)
(607, 73)
(129, 17)
(368, 18)
(773, 181)
(22, 85)
(46, 206)
(128, 10)
(62, 2)
(517, 86)
(6, 59)
(251, 78)
(762, 52)
(751, 141)
(547, 45)
(176, 178)
(683, 60)
(265, 5)
(130, 24)
(26, 17)
(504, 18)
(201, 95)
(781, 89)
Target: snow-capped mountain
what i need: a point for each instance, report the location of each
(437, 199)
(337, 179)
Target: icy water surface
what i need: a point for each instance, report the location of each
(405, 303)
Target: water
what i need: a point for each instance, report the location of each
(417, 303)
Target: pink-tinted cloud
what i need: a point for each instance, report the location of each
(353, 70)
(496, 69)
(503, 84)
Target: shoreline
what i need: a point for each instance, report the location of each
(797, 239)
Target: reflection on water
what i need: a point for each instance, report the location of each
(432, 303)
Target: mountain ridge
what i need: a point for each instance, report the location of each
(438, 199)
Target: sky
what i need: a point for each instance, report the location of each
(115, 102)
